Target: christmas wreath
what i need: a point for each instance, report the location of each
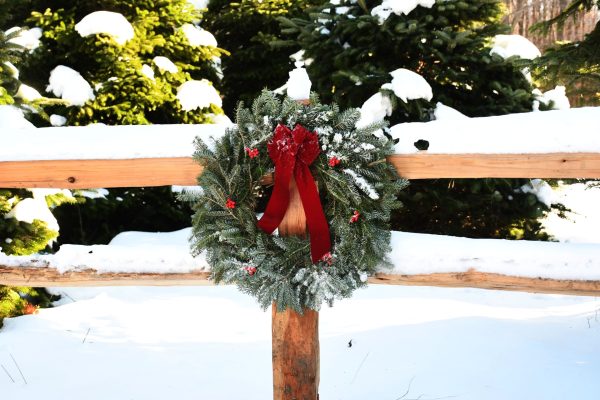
(347, 190)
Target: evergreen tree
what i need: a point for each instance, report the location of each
(131, 75)
(354, 47)
(249, 29)
(575, 65)
(130, 86)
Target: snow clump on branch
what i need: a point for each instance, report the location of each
(69, 85)
(514, 45)
(197, 94)
(198, 36)
(107, 22)
(164, 64)
(398, 7)
(409, 85)
(27, 38)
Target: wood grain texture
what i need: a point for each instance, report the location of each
(295, 337)
(43, 275)
(550, 165)
(85, 174)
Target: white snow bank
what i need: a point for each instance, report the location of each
(11, 118)
(28, 38)
(68, 84)
(534, 132)
(375, 109)
(198, 94)
(104, 142)
(411, 254)
(164, 64)
(514, 45)
(162, 343)
(446, 113)
(198, 36)
(398, 7)
(110, 23)
(409, 85)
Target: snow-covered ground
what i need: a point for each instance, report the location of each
(214, 343)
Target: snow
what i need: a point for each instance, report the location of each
(411, 254)
(375, 109)
(363, 184)
(534, 132)
(28, 38)
(398, 7)
(581, 225)
(14, 72)
(298, 84)
(199, 4)
(11, 118)
(164, 64)
(107, 22)
(57, 120)
(147, 71)
(443, 112)
(409, 85)
(541, 189)
(198, 94)
(198, 36)
(27, 93)
(100, 141)
(190, 342)
(557, 97)
(514, 45)
(94, 193)
(28, 210)
(69, 85)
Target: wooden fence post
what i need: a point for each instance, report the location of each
(295, 337)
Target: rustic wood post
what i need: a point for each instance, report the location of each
(295, 337)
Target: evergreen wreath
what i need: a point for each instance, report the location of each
(357, 190)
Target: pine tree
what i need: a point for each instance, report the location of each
(130, 86)
(353, 52)
(575, 65)
(249, 29)
(132, 80)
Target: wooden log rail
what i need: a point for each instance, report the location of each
(45, 276)
(138, 172)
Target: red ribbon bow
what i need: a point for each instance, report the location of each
(292, 152)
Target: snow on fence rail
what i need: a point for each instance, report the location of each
(125, 156)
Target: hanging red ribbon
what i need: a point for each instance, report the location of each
(292, 151)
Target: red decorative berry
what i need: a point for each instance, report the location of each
(354, 218)
(333, 161)
(252, 152)
(328, 258)
(250, 270)
(230, 203)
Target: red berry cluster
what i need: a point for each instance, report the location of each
(230, 204)
(333, 161)
(251, 152)
(250, 270)
(354, 217)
